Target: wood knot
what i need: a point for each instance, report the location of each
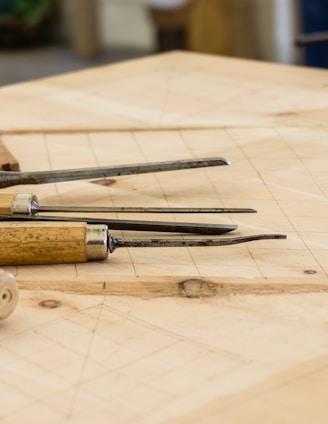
(104, 181)
(51, 304)
(197, 288)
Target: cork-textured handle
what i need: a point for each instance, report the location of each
(25, 243)
(6, 203)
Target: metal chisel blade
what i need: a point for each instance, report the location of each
(8, 179)
(134, 225)
(114, 243)
(136, 209)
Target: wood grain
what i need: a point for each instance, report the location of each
(152, 336)
(159, 93)
(31, 243)
(182, 286)
(6, 203)
(294, 389)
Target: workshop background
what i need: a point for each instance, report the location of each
(40, 38)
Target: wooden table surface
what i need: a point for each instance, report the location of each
(232, 334)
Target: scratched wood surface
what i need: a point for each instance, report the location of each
(235, 334)
(176, 90)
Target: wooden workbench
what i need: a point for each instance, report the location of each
(200, 335)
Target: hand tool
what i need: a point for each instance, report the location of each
(8, 294)
(7, 160)
(8, 179)
(134, 225)
(22, 206)
(25, 243)
(28, 204)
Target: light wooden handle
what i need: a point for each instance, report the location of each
(31, 243)
(7, 203)
(18, 203)
(8, 294)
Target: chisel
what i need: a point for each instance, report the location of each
(8, 179)
(32, 243)
(9, 294)
(28, 204)
(132, 224)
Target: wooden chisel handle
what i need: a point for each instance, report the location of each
(7, 160)
(6, 203)
(31, 243)
(12, 203)
(9, 294)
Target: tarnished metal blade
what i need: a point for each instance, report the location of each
(114, 243)
(8, 178)
(111, 209)
(120, 224)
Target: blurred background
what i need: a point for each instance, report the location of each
(40, 38)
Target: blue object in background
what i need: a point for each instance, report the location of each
(314, 18)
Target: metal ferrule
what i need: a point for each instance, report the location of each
(96, 242)
(112, 243)
(25, 203)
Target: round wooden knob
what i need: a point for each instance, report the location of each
(8, 294)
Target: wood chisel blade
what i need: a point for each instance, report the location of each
(136, 209)
(28, 204)
(8, 179)
(134, 225)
